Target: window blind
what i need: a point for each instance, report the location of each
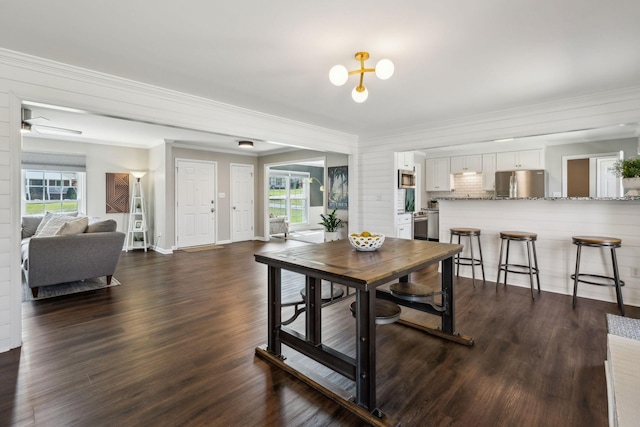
(54, 161)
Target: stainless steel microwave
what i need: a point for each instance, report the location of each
(406, 179)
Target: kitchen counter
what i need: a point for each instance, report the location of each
(555, 220)
(631, 198)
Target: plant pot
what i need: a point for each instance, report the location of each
(330, 236)
(631, 186)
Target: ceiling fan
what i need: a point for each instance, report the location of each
(34, 123)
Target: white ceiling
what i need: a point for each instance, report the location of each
(453, 58)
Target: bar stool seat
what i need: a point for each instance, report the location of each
(386, 311)
(597, 279)
(412, 291)
(329, 292)
(530, 269)
(470, 260)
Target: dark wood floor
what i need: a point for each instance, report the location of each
(174, 345)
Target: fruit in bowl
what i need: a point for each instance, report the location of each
(366, 241)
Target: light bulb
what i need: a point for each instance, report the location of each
(360, 96)
(338, 75)
(384, 69)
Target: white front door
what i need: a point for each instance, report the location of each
(242, 189)
(195, 199)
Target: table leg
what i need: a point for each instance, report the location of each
(365, 350)
(313, 313)
(448, 297)
(274, 310)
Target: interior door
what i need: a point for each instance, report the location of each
(195, 196)
(242, 190)
(608, 185)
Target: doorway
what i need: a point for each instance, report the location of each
(196, 203)
(589, 175)
(296, 190)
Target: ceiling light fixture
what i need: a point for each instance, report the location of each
(245, 144)
(338, 75)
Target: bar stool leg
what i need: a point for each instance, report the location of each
(506, 261)
(576, 275)
(530, 269)
(535, 260)
(484, 281)
(616, 276)
(500, 263)
(473, 261)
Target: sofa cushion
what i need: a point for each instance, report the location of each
(101, 226)
(30, 225)
(74, 226)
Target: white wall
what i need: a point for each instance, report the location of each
(158, 187)
(10, 290)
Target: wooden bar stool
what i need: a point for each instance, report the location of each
(529, 239)
(596, 279)
(472, 260)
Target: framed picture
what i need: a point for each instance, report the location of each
(137, 225)
(117, 195)
(338, 197)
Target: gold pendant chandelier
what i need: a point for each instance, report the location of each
(338, 75)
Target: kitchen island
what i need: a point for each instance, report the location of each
(555, 220)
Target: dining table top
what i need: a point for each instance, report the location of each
(340, 262)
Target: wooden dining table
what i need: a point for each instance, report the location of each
(338, 262)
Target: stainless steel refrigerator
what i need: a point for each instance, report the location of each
(521, 183)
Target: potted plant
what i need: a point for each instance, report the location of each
(331, 223)
(138, 207)
(629, 170)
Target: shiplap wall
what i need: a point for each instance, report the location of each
(555, 222)
(9, 244)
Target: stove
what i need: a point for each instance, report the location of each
(420, 225)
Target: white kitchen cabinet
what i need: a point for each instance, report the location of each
(405, 160)
(526, 159)
(438, 174)
(404, 224)
(489, 172)
(464, 164)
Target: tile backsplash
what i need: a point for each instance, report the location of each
(464, 186)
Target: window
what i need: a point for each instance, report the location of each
(52, 191)
(289, 196)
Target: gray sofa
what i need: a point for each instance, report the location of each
(56, 259)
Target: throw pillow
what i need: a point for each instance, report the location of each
(76, 226)
(102, 226)
(52, 226)
(48, 216)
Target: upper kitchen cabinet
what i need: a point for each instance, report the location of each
(527, 159)
(489, 172)
(405, 160)
(464, 164)
(438, 174)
